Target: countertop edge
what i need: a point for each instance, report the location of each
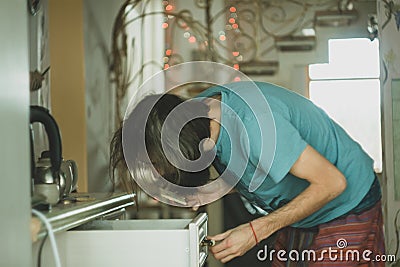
(65, 217)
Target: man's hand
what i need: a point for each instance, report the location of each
(233, 243)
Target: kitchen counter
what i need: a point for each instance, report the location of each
(81, 208)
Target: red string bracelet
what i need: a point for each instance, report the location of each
(254, 232)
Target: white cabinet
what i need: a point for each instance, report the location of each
(142, 243)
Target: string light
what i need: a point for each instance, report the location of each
(237, 79)
(222, 36)
(169, 7)
(192, 39)
(183, 25)
(232, 19)
(235, 53)
(236, 66)
(168, 53)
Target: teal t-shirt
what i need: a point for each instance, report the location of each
(254, 150)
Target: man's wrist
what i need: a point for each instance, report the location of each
(264, 227)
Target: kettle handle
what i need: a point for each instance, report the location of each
(42, 115)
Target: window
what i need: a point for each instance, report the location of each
(348, 89)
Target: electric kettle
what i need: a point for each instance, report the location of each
(52, 177)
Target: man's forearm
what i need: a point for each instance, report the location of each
(305, 204)
(326, 183)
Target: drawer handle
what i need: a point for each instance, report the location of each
(202, 258)
(202, 234)
(208, 242)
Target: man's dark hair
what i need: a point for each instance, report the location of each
(192, 133)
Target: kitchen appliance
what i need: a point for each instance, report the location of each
(53, 178)
(70, 169)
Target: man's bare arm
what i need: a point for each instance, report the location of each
(326, 183)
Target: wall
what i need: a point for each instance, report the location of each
(98, 22)
(15, 242)
(68, 80)
(143, 49)
(292, 72)
(390, 69)
(39, 60)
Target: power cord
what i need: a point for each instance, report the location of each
(51, 236)
(39, 258)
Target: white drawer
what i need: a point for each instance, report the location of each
(141, 243)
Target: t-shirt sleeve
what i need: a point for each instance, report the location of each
(288, 148)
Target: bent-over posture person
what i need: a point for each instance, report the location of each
(319, 189)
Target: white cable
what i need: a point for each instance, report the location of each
(51, 236)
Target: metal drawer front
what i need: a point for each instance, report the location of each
(141, 243)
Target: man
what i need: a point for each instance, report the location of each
(319, 186)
